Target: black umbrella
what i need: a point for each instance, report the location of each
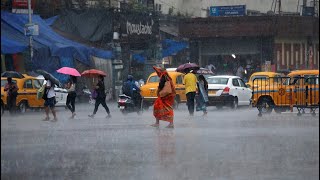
(12, 74)
(49, 76)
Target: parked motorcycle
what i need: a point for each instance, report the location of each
(126, 105)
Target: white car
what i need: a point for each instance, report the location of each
(61, 94)
(228, 91)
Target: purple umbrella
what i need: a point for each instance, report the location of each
(191, 66)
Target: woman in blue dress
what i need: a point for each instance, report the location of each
(202, 96)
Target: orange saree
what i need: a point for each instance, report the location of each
(163, 106)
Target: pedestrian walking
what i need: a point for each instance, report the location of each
(190, 82)
(163, 106)
(12, 93)
(50, 100)
(71, 98)
(101, 98)
(202, 96)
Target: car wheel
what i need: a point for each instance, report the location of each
(23, 106)
(234, 104)
(265, 105)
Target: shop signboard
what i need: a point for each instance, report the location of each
(238, 10)
(139, 28)
(21, 6)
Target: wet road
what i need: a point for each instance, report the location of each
(224, 145)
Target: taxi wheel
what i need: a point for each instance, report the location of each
(266, 105)
(23, 106)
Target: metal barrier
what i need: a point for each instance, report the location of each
(284, 93)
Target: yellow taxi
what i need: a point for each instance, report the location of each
(299, 89)
(149, 90)
(27, 93)
(263, 79)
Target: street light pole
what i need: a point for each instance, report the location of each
(30, 22)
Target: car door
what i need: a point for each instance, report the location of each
(29, 92)
(245, 92)
(180, 88)
(235, 90)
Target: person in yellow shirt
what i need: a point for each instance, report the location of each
(190, 82)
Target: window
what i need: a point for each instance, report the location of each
(235, 82)
(217, 80)
(179, 80)
(159, 7)
(4, 82)
(310, 79)
(28, 84)
(242, 84)
(153, 79)
(37, 84)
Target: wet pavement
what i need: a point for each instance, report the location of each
(226, 144)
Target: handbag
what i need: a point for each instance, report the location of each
(166, 90)
(40, 92)
(94, 94)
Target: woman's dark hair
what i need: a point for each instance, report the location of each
(74, 79)
(101, 77)
(161, 83)
(202, 78)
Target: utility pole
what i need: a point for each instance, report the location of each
(279, 10)
(30, 22)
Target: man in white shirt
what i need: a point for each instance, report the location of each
(49, 98)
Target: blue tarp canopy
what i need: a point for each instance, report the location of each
(139, 57)
(171, 47)
(12, 34)
(10, 46)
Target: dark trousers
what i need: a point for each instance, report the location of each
(190, 102)
(11, 104)
(102, 101)
(71, 102)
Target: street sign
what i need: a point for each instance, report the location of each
(31, 30)
(118, 67)
(239, 10)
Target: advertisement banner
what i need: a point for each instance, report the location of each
(139, 28)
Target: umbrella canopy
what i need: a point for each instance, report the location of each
(49, 76)
(68, 71)
(12, 74)
(93, 73)
(191, 66)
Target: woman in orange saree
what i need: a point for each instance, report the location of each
(163, 106)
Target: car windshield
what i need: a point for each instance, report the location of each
(4, 82)
(153, 79)
(218, 80)
(259, 77)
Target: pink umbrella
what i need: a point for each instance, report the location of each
(68, 71)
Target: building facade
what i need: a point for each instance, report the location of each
(287, 42)
(199, 8)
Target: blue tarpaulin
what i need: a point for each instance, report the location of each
(58, 45)
(171, 47)
(11, 46)
(51, 20)
(139, 57)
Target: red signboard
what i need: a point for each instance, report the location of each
(22, 4)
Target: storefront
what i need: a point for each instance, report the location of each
(257, 42)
